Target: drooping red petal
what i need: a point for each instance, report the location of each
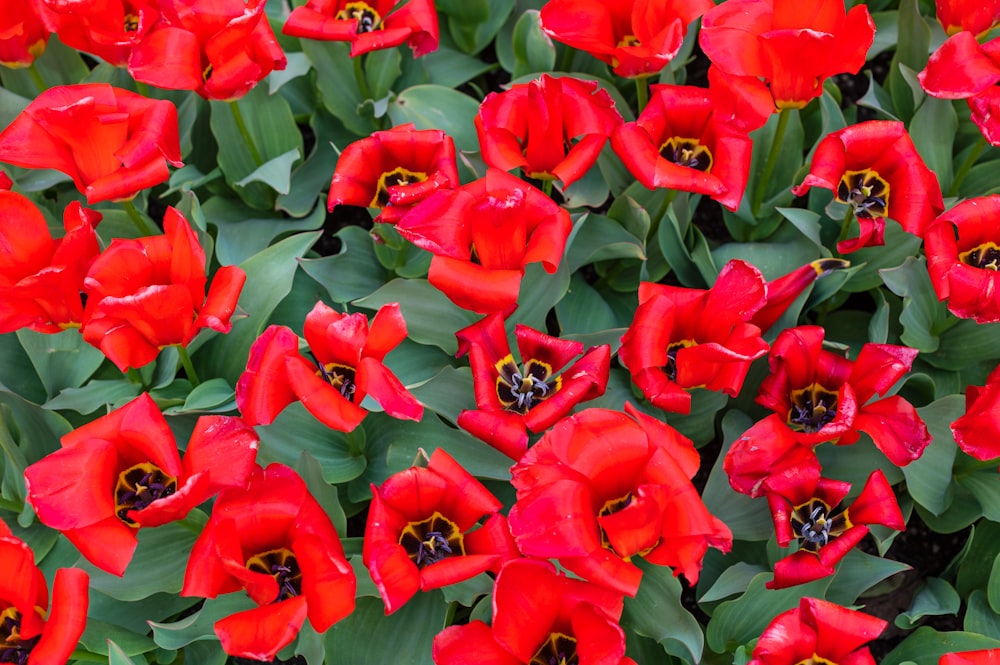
(262, 632)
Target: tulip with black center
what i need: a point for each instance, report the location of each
(687, 152)
(368, 19)
(432, 540)
(12, 648)
(139, 486)
(395, 178)
(813, 407)
(519, 389)
(815, 524)
(283, 566)
(557, 649)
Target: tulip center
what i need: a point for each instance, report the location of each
(816, 660)
(131, 25)
(519, 389)
(687, 152)
(671, 367)
(432, 540)
(368, 19)
(138, 486)
(340, 377)
(394, 178)
(985, 256)
(557, 649)
(628, 40)
(866, 192)
(815, 526)
(611, 507)
(283, 566)
(12, 648)
(812, 407)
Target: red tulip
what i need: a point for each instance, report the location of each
(551, 128)
(874, 167)
(394, 170)
(483, 234)
(980, 657)
(105, 28)
(684, 338)
(512, 398)
(963, 269)
(822, 396)
(600, 488)
(810, 513)
(539, 616)
(975, 16)
(636, 37)
(793, 45)
(369, 26)
(112, 142)
(33, 633)
(218, 48)
(768, 458)
(423, 531)
(275, 541)
(23, 34)
(977, 431)
(147, 293)
(961, 68)
(122, 472)
(346, 366)
(41, 278)
(818, 631)
(783, 291)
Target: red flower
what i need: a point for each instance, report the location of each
(977, 431)
(600, 488)
(112, 142)
(981, 657)
(681, 141)
(783, 291)
(513, 399)
(275, 541)
(550, 127)
(41, 278)
(636, 37)
(105, 28)
(792, 45)
(686, 338)
(975, 16)
(768, 458)
(218, 48)
(147, 293)
(961, 68)
(31, 632)
(874, 167)
(809, 513)
(23, 35)
(368, 25)
(818, 631)
(539, 616)
(963, 270)
(823, 396)
(347, 366)
(394, 170)
(483, 234)
(423, 531)
(122, 472)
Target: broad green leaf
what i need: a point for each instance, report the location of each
(296, 431)
(470, 12)
(96, 394)
(310, 470)
(922, 313)
(965, 344)
(656, 612)
(984, 486)
(447, 393)
(925, 646)
(381, 71)
(312, 176)
(540, 291)
(58, 65)
(205, 652)
(934, 598)
(244, 233)
(699, 425)
(993, 587)
(437, 107)
(583, 310)
(533, 49)
(276, 173)
(474, 37)
(337, 84)
(980, 617)
(858, 572)
(597, 238)
(928, 478)
(468, 591)
(933, 131)
(212, 396)
(353, 272)
(269, 279)
(17, 372)
(405, 635)
(297, 64)
(63, 360)
(733, 580)
(201, 624)
(452, 68)
(117, 654)
(978, 559)
(911, 52)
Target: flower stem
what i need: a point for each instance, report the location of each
(36, 77)
(547, 187)
(641, 92)
(188, 367)
(242, 126)
(772, 161)
(359, 76)
(140, 222)
(845, 225)
(967, 165)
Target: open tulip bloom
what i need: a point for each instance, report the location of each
(977, 431)
(368, 26)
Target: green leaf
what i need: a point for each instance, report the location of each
(933, 131)
(296, 431)
(452, 68)
(533, 49)
(275, 173)
(934, 598)
(911, 51)
(105, 637)
(250, 132)
(468, 591)
(201, 624)
(212, 396)
(993, 587)
(979, 557)
(656, 612)
(469, 12)
(95, 395)
(965, 344)
(858, 572)
(311, 177)
(474, 37)
(269, 279)
(437, 107)
(980, 617)
(117, 655)
(337, 85)
(17, 372)
(583, 310)
(448, 392)
(922, 312)
(405, 635)
(63, 360)
(381, 71)
(925, 646)
(928, 478)
(353, 272)
(430, 317)
(309, 469)
(984, 486)
(59, 65)
(297, 64)
(598, 238)
(540, 291)
(733, 580)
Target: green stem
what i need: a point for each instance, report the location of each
(36, 77)
(641, 92)
(137, 217)
(547, 188)
(967, 165)
(772, 161)
(188, 367)
(845, 225)
(242, 126)
(359, 76)
(566, 60)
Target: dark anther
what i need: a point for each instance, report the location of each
(866, 192)
(138, 487)
(812, 408)
(340, 377)
(368, 19)
(432, 540)
(282, 565)
(687, 152)
(13, 649)
(395, 178)
(671, 367)
(815, 525)
(432, 549)
(519, 389)
(557, 649)
(985, 256)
